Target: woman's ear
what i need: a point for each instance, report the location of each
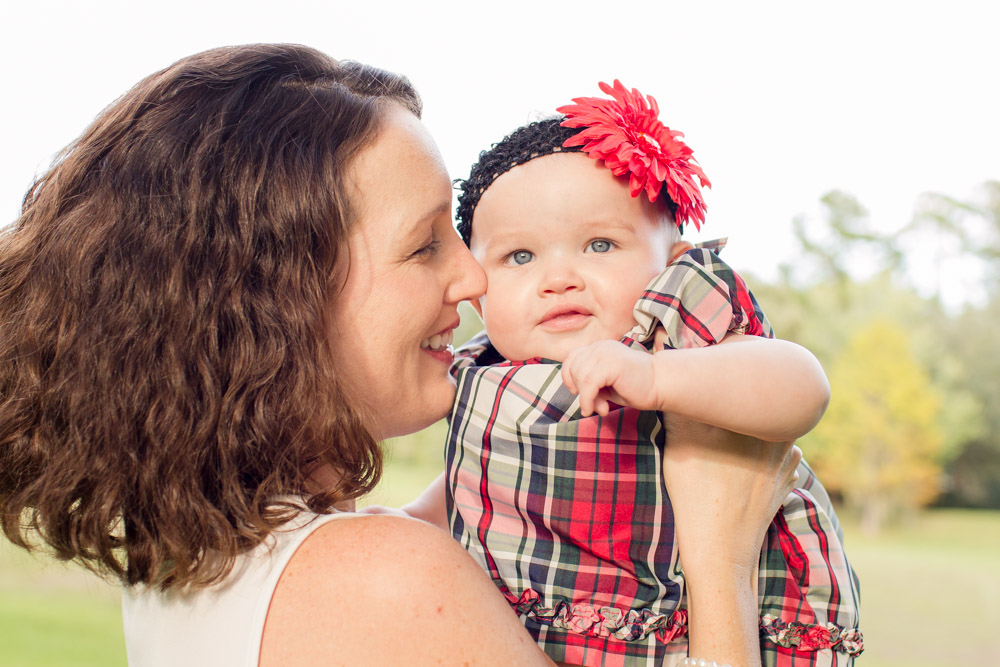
(679, 249)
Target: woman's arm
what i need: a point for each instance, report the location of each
(770, 389)
(386, 590)
(725, 490)
(429, 506)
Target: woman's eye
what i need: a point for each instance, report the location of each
(520, 257)
(600, 245)
(427, 250)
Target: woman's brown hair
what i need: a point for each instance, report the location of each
(164, 364)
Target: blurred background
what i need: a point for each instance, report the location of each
(855, 159)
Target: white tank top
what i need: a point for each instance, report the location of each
(220, 626)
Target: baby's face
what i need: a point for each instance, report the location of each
(567, 252)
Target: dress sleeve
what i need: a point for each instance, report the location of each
(697, 299)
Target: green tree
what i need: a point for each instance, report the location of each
(974, 471)
(820, 303)
(880, 443)
(973, 226)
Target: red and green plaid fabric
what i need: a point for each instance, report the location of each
(571, 519)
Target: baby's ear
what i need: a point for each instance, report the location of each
(679, 249)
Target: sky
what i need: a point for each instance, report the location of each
(781, 101)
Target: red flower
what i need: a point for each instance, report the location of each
(626, 134)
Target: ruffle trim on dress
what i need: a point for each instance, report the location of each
(811, 636)
(635, 625)
(583, 619)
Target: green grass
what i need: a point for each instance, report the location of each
(55, 615)
(54, 628)
(930, 589)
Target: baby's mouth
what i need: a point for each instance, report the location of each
(565, 319)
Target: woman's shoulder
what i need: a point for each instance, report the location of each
(371, 546)
(382, 589)
(365, 551)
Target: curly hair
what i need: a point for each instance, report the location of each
(536, 139)
(165, 374)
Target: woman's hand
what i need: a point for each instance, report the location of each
(725, 489)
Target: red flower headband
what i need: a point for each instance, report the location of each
(626, 134)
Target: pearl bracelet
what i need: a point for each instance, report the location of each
(696, 662)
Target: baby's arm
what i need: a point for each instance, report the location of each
(766, 388)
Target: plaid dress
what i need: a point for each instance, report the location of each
(570, 515)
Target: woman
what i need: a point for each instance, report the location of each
(213, 307)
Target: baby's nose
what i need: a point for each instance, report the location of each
(560, 277)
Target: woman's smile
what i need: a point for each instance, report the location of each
(439, 345)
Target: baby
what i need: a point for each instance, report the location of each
(552, 484)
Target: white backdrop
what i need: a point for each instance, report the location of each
(781, 101)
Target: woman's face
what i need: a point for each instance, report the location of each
(391, 325)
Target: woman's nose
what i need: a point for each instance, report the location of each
(468, 280)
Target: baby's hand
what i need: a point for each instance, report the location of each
(608, 371)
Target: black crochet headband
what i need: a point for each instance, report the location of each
(533, 140)
(527, 142)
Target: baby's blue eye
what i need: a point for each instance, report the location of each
(520, 257)
(600, 245)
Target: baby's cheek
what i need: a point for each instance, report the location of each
(623, 323)
(506, 332)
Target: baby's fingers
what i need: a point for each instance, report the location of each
(601, 405)
(579, 377)
(567, 377)
(659, 339)
(568, 373)
(588, 396)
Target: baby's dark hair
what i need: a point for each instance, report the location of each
(536, 139)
